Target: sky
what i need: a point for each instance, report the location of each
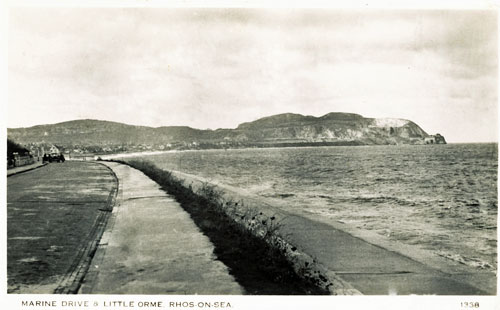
(217, 68)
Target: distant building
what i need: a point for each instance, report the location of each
(54, 150)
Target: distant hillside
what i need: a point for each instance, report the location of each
(282, 129)
(95, 132)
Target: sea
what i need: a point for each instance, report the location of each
(441, 198)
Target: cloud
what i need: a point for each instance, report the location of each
(220, 67)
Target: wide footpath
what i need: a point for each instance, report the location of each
(151, 246)
(374, 270)
(17, 170)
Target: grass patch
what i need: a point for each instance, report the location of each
(243, 240)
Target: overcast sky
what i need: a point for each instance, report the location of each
(217, 68)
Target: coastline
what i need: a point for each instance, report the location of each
(152, 153)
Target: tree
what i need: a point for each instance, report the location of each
(13, 147)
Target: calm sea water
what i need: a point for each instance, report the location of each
(441, 198)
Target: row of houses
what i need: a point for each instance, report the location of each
(39, 151)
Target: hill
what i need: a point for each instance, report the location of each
(277, 130)
(333, 127)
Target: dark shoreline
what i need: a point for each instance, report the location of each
(113, 156)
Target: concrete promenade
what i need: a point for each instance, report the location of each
(372, 269)
(151, 246)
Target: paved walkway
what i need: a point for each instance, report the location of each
(377, 271)
(151, 246)
(369, 268)
(17, 170)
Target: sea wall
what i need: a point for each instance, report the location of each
(260, 217)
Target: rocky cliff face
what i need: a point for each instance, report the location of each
(435, 139)
(336, 128)
(332, 127)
